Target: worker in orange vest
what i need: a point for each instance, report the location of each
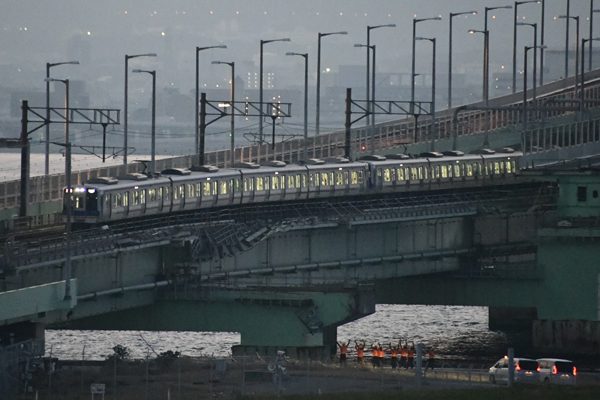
(343, 351)
(394, 351)
(360, 352)
(404, 355)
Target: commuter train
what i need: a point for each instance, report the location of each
(106, 199)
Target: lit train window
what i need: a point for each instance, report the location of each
(314, 179)
(354, 178)
(444, 171)
(282, 181)
(223, 187)
(303, 181)
(259, 183)
(457, 170)
(126, 199)
(167, 194)
(151, 195)
(236, 185)
(135, 197)
(213, 187)
(514, 166)
(346, 177)
(275, 183)
(77, 202)
(509, 169)
(387, 175)
(206, 189)
(496, 167)
(142, 196)
(267, 181)
(290, 179)
(198, 189)
(476, 169)
(435, 172)
(339, 178)
(331, 180)
(469, 170)
(179, 192)
(324, 179)
(414, 174)
(248, 184)
(400, 175)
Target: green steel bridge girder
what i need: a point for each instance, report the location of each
(266, 319)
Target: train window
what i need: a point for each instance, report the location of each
(469, 170)
(248, 184)
(267, 180)
(143, 196)
(314, 179)
(237, 185)
(435, 172)
(444, 171)
(400, 175)
(167, 193)
(457, 170)
(223, 187)
(135, 198)
(179, 192)
(214, 187)
(275, 182)
(259, 184)
(126, 199)
(325, 179)
(151, 195)
(476, 169)
(198, 189)
(331, 179)
(387, 175)
(514, 166)
(302, 178)
(191, 190)
(414, 175)
(496, 168)
(206, 189)
(106, 202)
(290, 183)
(282, 181)
(508, 167)
(346, 177)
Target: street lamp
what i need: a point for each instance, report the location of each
(197, 144)
(486, 59)
(592, 11)
(486, 54)
(434, 130)
(125, 101)
(47, 128)
(534, 26)
(542, 39)
(451, 16)
(515, 23)
(260, 95)
(525, 116)
(231, 107)
(305, 56)
(369, 108)
(583, 42)
(369, 29)
(153, 150)
(68, 203)
(576, 18)
(412, 71)
(318, 99)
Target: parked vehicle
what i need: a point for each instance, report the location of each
(526, 370)
(557, 371)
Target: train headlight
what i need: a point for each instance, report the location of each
(91, 190)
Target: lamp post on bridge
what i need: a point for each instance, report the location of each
(434, 129)
(371, 96)
(47, 127)
(535, 47)
(126, 100)
(592, 12)
(318, 96)
(576, 18)
(231, 108)
(412, 71)
(370, 49)
(153, 150)
(305, 56)
(197, 143)
(450, 18)
(260, 94)
(515, 23)
(486, 53)
(525, 116)
(69, 190)
(582, 84)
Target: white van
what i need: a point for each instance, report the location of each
(526, 370)
(557, 371)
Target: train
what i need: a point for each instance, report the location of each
(103, 200)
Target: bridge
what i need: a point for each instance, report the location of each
(287, 277)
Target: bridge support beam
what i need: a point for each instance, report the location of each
(301, 323)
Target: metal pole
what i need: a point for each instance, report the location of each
(125, 116)
(543, 38)
(511, 367)
(260, 95)
(348, 125)
(318, 99)
(104, 143)
(576, 49)
(196, 127)
(201, 159)
(514, 71)
(567, 21)
(24, 195)
(232, 113)
(582, 77)
(153, 155)
(69, 204)
(434, 128)
(412, 70)
(524, 132)
(450, 62)
(371, 103)
(306, 107)
(47, 127)
(368, 76)
(591, 35)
